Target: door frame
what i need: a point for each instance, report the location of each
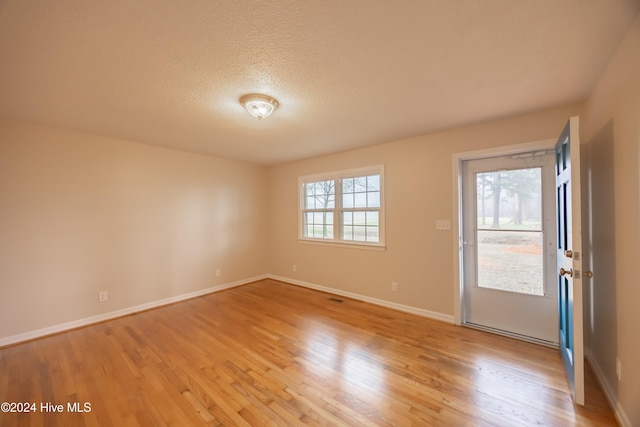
(458, 159)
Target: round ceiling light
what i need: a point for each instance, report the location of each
(259, 106)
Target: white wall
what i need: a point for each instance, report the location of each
(81, 213)
(612, 131)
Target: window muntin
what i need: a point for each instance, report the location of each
(343, 207)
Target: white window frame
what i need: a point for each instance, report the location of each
(337, 177)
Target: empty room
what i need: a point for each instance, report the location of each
(358, 213)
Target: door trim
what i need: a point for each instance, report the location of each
(458, 159)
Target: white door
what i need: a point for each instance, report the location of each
(509, 265)
(569, 256)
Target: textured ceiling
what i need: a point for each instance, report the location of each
(346, 73)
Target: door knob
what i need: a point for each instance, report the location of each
(568, 272)
(589, 274)
(568, 253)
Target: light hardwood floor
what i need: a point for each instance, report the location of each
(270, 353)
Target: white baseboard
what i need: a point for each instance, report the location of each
(400, 307)
(618, 410)
(38, 333)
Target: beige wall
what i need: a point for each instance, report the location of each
(612, 130)
(81, 213)
(419, 191)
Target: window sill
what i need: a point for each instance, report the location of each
(354, 245)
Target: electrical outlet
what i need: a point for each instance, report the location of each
(218, 273)
(294, 268)
(619, 369)
(103, 296)
(394, 286)
(443, 224)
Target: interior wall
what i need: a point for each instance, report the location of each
(81, 214)
(419, 191)
(612, 131)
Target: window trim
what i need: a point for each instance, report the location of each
(338, 176)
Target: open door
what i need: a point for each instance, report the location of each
(569, 257)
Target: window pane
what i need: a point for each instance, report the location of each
(347, 200)
(320, 195)
(329, 218)
(373, 199)
(347, 233)
(373, 183)
(372, 218)
(359, 233)
(321, 201)
(359, 218)
(510, 199)
(360, 200)
(347, 185)
(323, 187)
(360, 184)
(309, 189)
(511, 261)
(330, 201)
(309, 202)
(318, 225)
(373, 234)
(328, 232)
(347, 218)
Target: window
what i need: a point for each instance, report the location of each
(343, 207)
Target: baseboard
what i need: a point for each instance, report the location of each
(400, 307)
(618, 410)
(62, 327)
(39, 333)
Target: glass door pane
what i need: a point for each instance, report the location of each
(509, 231)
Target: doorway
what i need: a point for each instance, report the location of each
(508, 245)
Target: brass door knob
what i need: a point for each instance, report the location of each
(588, 274)
(568, 253)
(568, 272)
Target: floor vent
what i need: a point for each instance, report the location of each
(335, 299)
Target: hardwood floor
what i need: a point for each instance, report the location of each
(270, 353)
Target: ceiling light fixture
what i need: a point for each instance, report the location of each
(259, 106)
